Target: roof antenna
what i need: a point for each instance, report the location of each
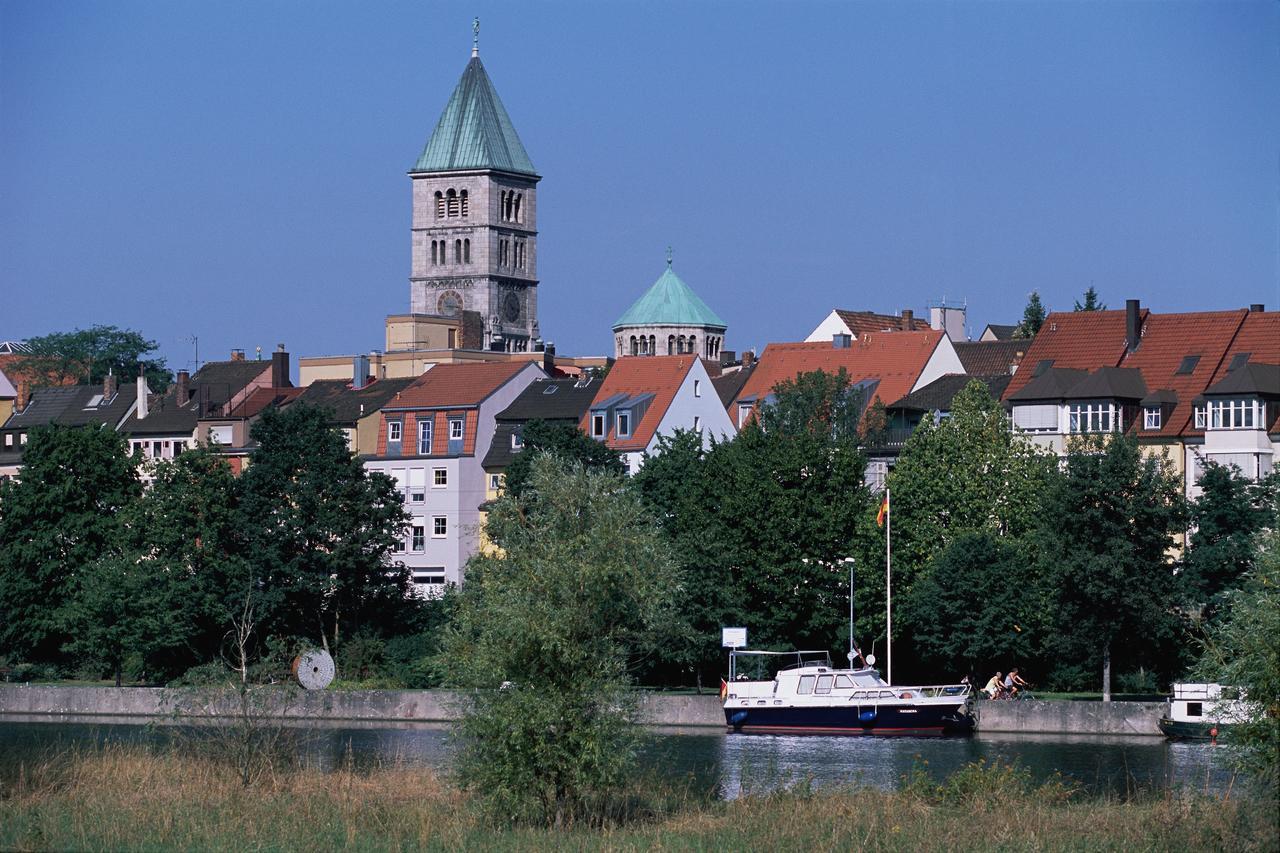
(668, 257)
(475, 37)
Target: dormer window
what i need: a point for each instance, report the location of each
(597, 424)
(517, 441)
(426, 429)
(1093, 417)
(1151, 417)
(624, 424)
(1238, 413)
(393, 431)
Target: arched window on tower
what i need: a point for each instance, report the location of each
(451, 203)
(693, 345)
(671, 344)
(653, 345)
(433, 252)
(466, 250)
(634, 350)
(439, 205)
(515, 214)
(465, 203)
(506, 205)
(457, 251)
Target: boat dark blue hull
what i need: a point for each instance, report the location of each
(851, 719)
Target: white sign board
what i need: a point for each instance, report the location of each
(733, 638)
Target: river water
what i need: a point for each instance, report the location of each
(734, 763)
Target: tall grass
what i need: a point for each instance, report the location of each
(138, 798)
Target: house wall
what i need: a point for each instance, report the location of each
(683, 409)
(830, 325)
(942, 360)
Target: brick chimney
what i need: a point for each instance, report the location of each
(24, 395)
(183, 388)
(549, 358)
(280, 368)
(748, 358)
(908, 316)
(237, 355)
(1257, 308)
(109, 385)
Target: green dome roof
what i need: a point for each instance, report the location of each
(670, 302)
(474, 131)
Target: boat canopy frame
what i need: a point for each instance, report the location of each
(797, 654)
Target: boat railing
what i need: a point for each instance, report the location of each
(1198, 692)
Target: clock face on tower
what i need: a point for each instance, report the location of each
(449, 304)
(511, 308)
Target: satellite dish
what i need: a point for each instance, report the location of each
(871, 660)
(314, 669)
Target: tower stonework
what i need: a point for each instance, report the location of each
(475, 237)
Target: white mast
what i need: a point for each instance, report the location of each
(888, 588)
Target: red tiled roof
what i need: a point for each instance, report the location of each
(864, 322)
(1259, 336)
(455, 385)
(262, 398)
(1084, 340)
(990, 358)
(895, 359)
(1167, 339)
(660, 376)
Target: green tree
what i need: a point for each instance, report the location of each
(674, 484)
(319, 532)
(1032, 317)
(1243, 650)
(1227, 517)
(976, 608)
(1091, 302)
(789, 493)
(56, 520)
(968, 472)
(86, 355)
(542, 636)
(1105, 549)
(565, 441)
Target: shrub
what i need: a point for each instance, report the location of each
(363, 658)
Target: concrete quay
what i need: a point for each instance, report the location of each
(656, 709)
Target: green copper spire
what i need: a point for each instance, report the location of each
(669, 302)
(474, 132)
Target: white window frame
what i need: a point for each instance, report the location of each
(597, 424)
(426, 433)
(456, 426)
(418, 536)
(517, 441)
(1201, 417)
(1236, 413)
(395, 431)
(437, 522)
(623, 421)
(430, 576)
(439, 478)
(495, 482)
(1093, 417)
(1152, 417)
(417, 485)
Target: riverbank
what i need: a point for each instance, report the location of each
(138, 799)
(656, 709)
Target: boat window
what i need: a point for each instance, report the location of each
(886, 694)
(861, 694)
(806, 684)
(1195, 709)
(824, 684)
(844, 682)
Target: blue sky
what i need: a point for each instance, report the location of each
(235, 171)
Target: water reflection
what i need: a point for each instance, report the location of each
(730, 763)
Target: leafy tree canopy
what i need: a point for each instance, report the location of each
(60, 516)
(320, 530)
(1091, 302)
(86, 355)
(1105, 548)
(544, 633)
(563, 440)
(1227, 517)
(1032, 317)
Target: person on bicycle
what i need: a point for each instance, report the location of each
(1013, 683)
(993, 687)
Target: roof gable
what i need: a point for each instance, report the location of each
(861, 323)
(457, 385)
(631, 379)
(474, 131)
(669, 302)
(990, 358)
(896, 359)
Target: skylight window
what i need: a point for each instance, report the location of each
(1042, 367)
(550, 389)
(1188, 365)
(1238, 361)
(94, 401)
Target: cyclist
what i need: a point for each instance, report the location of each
(993, 687)
(1013, 683)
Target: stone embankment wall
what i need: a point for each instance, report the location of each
(656, 709)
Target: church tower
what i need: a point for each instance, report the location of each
(475, 219)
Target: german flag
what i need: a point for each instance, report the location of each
(724, 689)
(884, 510)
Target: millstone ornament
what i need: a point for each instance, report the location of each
(314, 669)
